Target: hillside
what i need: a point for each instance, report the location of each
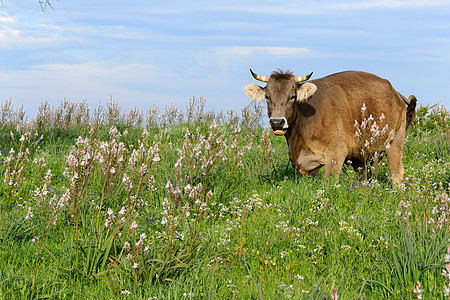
(187, 203)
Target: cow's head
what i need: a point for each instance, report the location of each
(282, 91)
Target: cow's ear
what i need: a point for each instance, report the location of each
(254, 91)
(305, 91)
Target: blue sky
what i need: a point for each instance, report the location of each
(148, 52)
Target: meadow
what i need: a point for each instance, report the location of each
(173, 203)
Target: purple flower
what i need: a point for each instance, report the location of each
(149, 219)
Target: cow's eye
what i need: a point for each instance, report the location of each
(292, 99)
(267, 98)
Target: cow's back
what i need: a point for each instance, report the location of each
(337, 103)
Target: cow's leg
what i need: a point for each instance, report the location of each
(394, 158)
(334, 162)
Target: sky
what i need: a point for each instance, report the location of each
(144, 52)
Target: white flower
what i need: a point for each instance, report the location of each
(29, 215)
(178, 163)
(133, 225)
(126, 245)
(186, 212)
(447, 292)
(110, 212)
(447, 258)
(299, 277)
(125, 177)
(363, 108)
(122, 211)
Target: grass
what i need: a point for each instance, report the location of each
(177, 206)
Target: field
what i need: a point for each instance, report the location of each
(192, 204)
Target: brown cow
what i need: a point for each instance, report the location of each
(318, 118)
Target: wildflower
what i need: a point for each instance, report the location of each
(122, 211)
(186, 212)
(447, 258)
(363, 108)
(334, 294)
(29, 215)
(126, 292)
(178, 163)
(126, 245)
(346, 247)
(299, 277)
(125, 177)
(110, 213)
(48, 175)
(169, 186)
(418, 291)
(63, 200)
(133, 225)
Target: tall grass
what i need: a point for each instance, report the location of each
(174, 204)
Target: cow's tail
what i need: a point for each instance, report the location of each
(411, 110)
(411, 103)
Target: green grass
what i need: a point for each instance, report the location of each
(265, 233)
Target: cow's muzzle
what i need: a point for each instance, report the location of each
(278, 125)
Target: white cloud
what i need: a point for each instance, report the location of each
(326, 7)
(280, 52)
(12, 38)
(15, 34)
(389, 4)
(5, 19)
(131, 84)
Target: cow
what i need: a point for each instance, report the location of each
(319, 117)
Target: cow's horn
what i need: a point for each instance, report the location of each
(302, 78)
(259, 77)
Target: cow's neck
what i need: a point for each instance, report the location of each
(293, 136)
(304, 159)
